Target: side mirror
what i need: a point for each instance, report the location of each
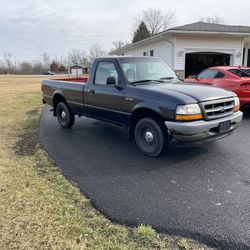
(118, 85)
(111, 81)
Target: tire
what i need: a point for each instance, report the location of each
(64, 115)
(151, 136)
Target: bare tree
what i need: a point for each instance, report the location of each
(45, 60)
(77, 57)
(62, 60)
(2, 67)
(59, 64)
(26, 67)
(96, 51)
(170, 19)
(74, 57)
(118, 44)
(37, 67)
(157, 20)
(8, 62)
(213, 19)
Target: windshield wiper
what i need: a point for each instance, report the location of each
(145, 81)
(168, 78)
(140, 81)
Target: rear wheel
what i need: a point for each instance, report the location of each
(151, 136)
(64, 115)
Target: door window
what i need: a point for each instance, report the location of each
(219, 75)
(211, 73)
(104, 71)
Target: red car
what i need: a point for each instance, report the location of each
(236, 79)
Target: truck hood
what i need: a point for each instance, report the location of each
(196, 91)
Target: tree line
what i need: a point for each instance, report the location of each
(10, 65)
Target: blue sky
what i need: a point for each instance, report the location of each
(30, 27)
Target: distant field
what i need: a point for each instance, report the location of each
(39, 208)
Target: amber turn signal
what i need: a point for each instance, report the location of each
(194, 117)
(236, 108)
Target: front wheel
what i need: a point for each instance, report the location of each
(151, 136)
(64, 115)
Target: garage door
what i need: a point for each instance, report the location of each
(196, 62)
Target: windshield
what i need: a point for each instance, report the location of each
(146, 69)
(240, 72)
(247, 70)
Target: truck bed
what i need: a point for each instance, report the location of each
(76, 79)
(72, 89)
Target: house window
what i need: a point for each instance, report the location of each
(145, 54)
(151, 53)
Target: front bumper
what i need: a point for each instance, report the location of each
(202, 131)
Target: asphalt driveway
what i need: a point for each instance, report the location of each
(202, 192)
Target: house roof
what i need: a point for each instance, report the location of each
(212, 27)
(79, 66)
(196, 28)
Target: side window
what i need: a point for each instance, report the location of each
(210, 73)
(219, 75)
(104, 71)
(240, 72)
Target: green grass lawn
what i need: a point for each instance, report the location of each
(39, 208)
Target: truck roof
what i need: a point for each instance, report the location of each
(127, 57)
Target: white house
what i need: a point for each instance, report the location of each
(193, 47)
(78, 70)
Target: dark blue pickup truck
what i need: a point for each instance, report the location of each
(144, 95)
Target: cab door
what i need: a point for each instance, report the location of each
(104, 100)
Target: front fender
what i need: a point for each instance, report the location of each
(147, 105)
(165, 112)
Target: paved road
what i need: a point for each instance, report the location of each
(202, 192)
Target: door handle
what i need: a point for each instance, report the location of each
(92, 91)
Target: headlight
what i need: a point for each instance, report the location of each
(189, 112)
(236, 104)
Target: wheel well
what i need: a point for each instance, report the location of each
(56, 99)
(138, 115)
(245, 106)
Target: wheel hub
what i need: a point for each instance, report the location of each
(149, 137)
(63, 115)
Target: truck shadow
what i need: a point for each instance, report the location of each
(108, 151)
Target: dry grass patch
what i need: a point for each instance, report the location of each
(39, 208)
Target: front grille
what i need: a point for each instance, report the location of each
(218, 108)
